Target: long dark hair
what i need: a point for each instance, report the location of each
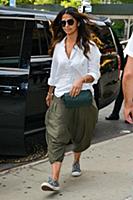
(83, 39)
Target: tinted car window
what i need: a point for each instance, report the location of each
(11, 32)
(40, 39)
(102, 37)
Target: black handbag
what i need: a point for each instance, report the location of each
(83, 99)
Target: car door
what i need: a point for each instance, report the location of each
(15, 48)
(40, 64)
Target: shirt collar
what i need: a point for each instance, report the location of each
(63, 43)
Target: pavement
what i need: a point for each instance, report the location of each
(107, 174)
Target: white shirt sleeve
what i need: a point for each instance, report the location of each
(94, 63)
(129, 48)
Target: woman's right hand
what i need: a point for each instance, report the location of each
(49, 98)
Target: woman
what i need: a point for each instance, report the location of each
(75, 67)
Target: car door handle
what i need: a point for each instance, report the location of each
(8, 88)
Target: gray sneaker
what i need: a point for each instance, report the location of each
(76, 169)
(51, 185)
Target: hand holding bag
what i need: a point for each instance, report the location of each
(83, 99)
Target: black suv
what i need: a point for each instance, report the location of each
(25, 67)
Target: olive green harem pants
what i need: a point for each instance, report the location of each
(65, 124)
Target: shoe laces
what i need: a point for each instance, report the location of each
(53, 182)
(76, 167)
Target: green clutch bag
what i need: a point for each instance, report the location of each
(83, 99)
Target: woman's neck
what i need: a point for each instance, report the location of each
(69, 43)
(72, 37)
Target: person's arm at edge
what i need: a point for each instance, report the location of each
(127, 84)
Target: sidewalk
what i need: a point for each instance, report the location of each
(107, 174)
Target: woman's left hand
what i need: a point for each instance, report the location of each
(76, 87)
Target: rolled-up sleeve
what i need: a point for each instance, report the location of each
(94, 63)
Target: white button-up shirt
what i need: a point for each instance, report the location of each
(129, 48)
(64, 70)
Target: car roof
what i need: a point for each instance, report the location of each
(32, 14)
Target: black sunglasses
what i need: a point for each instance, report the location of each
(70, 22)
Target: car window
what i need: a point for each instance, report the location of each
(101, 35)
(11, 32)
(40, 38)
